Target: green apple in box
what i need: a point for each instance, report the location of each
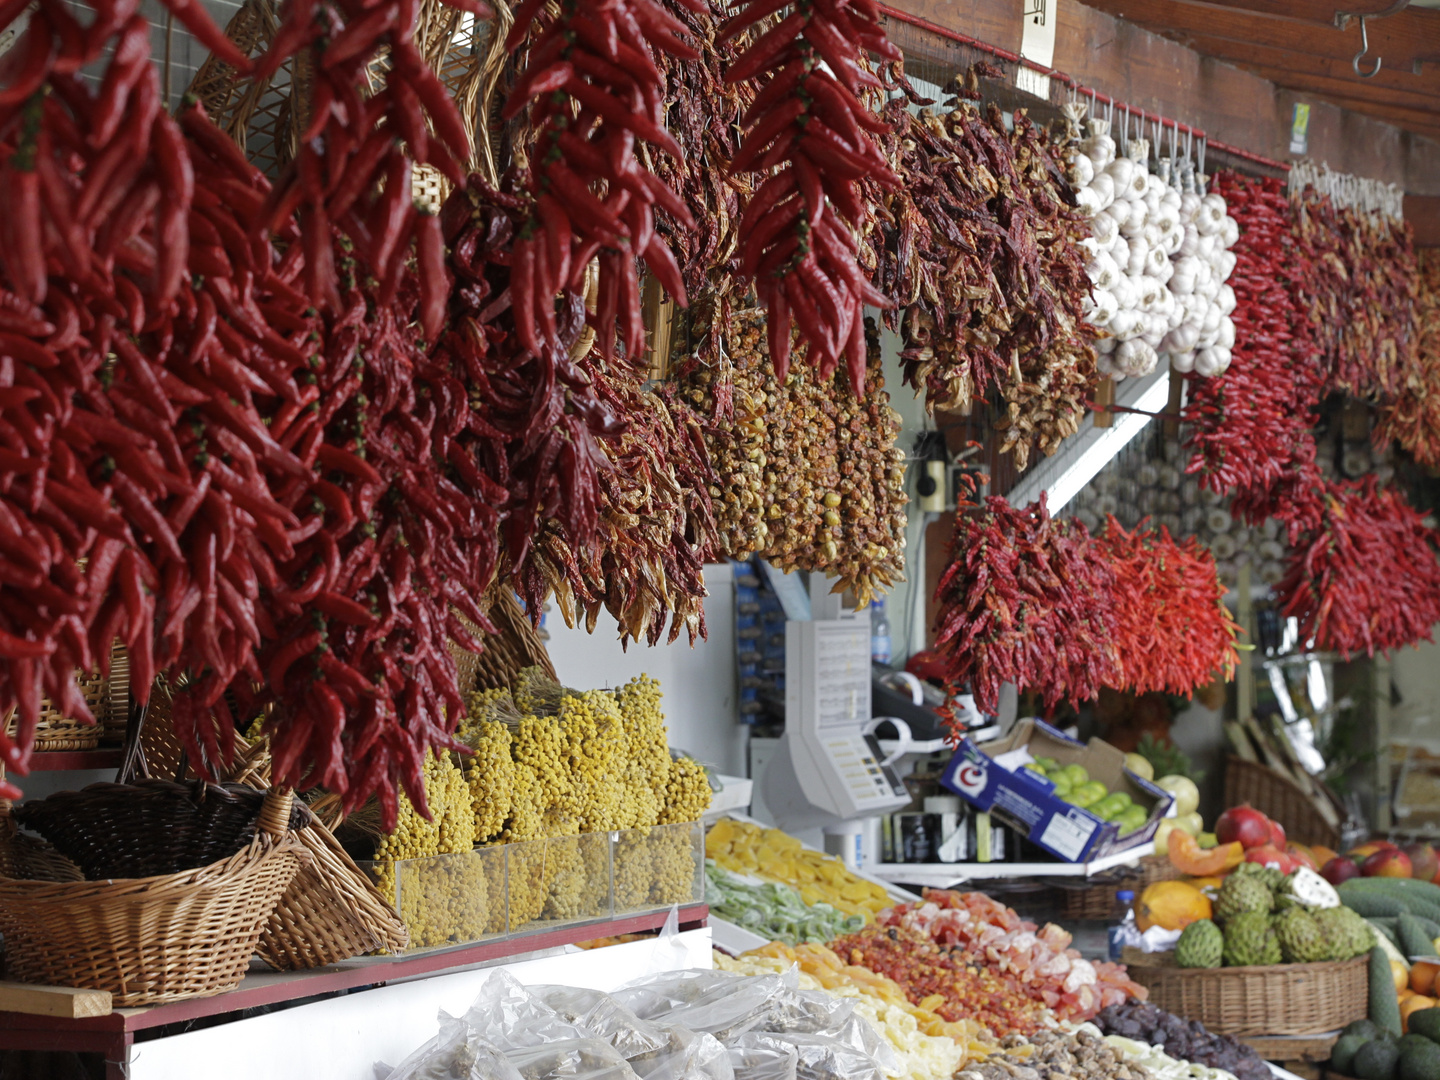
(1132, 818)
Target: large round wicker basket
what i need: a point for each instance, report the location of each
(145, 939)
(1280, 999)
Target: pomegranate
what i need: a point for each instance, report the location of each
(1270, 855)
(1277, 835)
(1339, 869)
(1245, 824)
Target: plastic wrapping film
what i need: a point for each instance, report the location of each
(456, 1053)
(817, 1057)
(717, 1002)
(768, 1061)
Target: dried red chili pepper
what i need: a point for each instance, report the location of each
(809, 123)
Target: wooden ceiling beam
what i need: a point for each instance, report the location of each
(1249, 55)
(1403, 40)
(1318, 12)
(1413, 120)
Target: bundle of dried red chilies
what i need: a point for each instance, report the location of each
(1027, 600)
(1249, 428)
(1412, 416)
(1360, 293)
(1368, 578)
(1173, 631)
(983, 253)
(812, 136)
(594, 93)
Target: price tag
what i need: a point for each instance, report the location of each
(1067, 836)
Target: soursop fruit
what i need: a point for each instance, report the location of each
(1272, 878)
(1200, 945)
(1249, 940)
(1345, 931)
(1241, 893)
(1307, 889)
(1301, 941)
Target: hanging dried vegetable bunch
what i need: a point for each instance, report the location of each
(1360, 293)
(1173, 631)
(1367, 579)
(810, 132)
(812, 477)
(1412, 417)
(987, 265)
(595, 98)
(1249, 428)
(1027, 600)
(705, 122)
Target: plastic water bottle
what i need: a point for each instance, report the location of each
(879, 633)
(1125, 912)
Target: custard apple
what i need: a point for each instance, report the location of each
(1346, 932)
(1301, 941)
(1241, 893)
(1307, 889)
(1272, 878)
(1249, 940)
(1200, 945)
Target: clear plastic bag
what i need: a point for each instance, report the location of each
(456, 1053)
(512, 1017)
(719, 1002)
(811, 1011)
(765, 1061)
(656, 1051)
(570, 1059)
(817, 1057)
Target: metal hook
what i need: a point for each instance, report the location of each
(1364, 48)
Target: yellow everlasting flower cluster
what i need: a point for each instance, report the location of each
(744, 848)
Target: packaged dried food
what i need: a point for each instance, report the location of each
(718, 1002)
(571, 1059)
(763, 1061)
(817, 1057)
(456, 1053)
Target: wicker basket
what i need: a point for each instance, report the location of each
(1155, 868)
(55, 731)
(516, 645)
(1096, 900)
(329, 911)
(148, 939)
(1282, 999)
(1276, 796)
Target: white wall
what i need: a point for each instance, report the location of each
(699, 683)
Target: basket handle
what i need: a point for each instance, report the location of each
(275, 813)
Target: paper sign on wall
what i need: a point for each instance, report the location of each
(1037, 43)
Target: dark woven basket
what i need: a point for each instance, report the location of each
(1277, 797)
(151, 827)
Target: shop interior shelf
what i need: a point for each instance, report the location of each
(114, 1032)
(946, 875)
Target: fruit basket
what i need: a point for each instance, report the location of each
(1274, 999)
(1277, 797)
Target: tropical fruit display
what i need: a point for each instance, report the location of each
(1260, 916)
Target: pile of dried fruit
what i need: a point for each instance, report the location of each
(812, 477)
(942, 980)
(1038, 962)
(1083, 1054)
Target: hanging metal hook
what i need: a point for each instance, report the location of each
(1365, 48)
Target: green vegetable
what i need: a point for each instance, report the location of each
(1342, 1054)
(1420, 1060)
(1384, 1002)
(1371, 905)
(1376, 1060)
(1394, 895)
(1413, 939)
(773, 910)
(1426, 1022)
(1366, 1029)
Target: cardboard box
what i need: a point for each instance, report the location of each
(991, 777)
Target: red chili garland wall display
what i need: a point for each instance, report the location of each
(1039, 602)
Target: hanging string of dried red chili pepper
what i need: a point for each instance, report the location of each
(594, 91)
(1368, 578)
(1249, 428)
(1172, 629)
(812, 136)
